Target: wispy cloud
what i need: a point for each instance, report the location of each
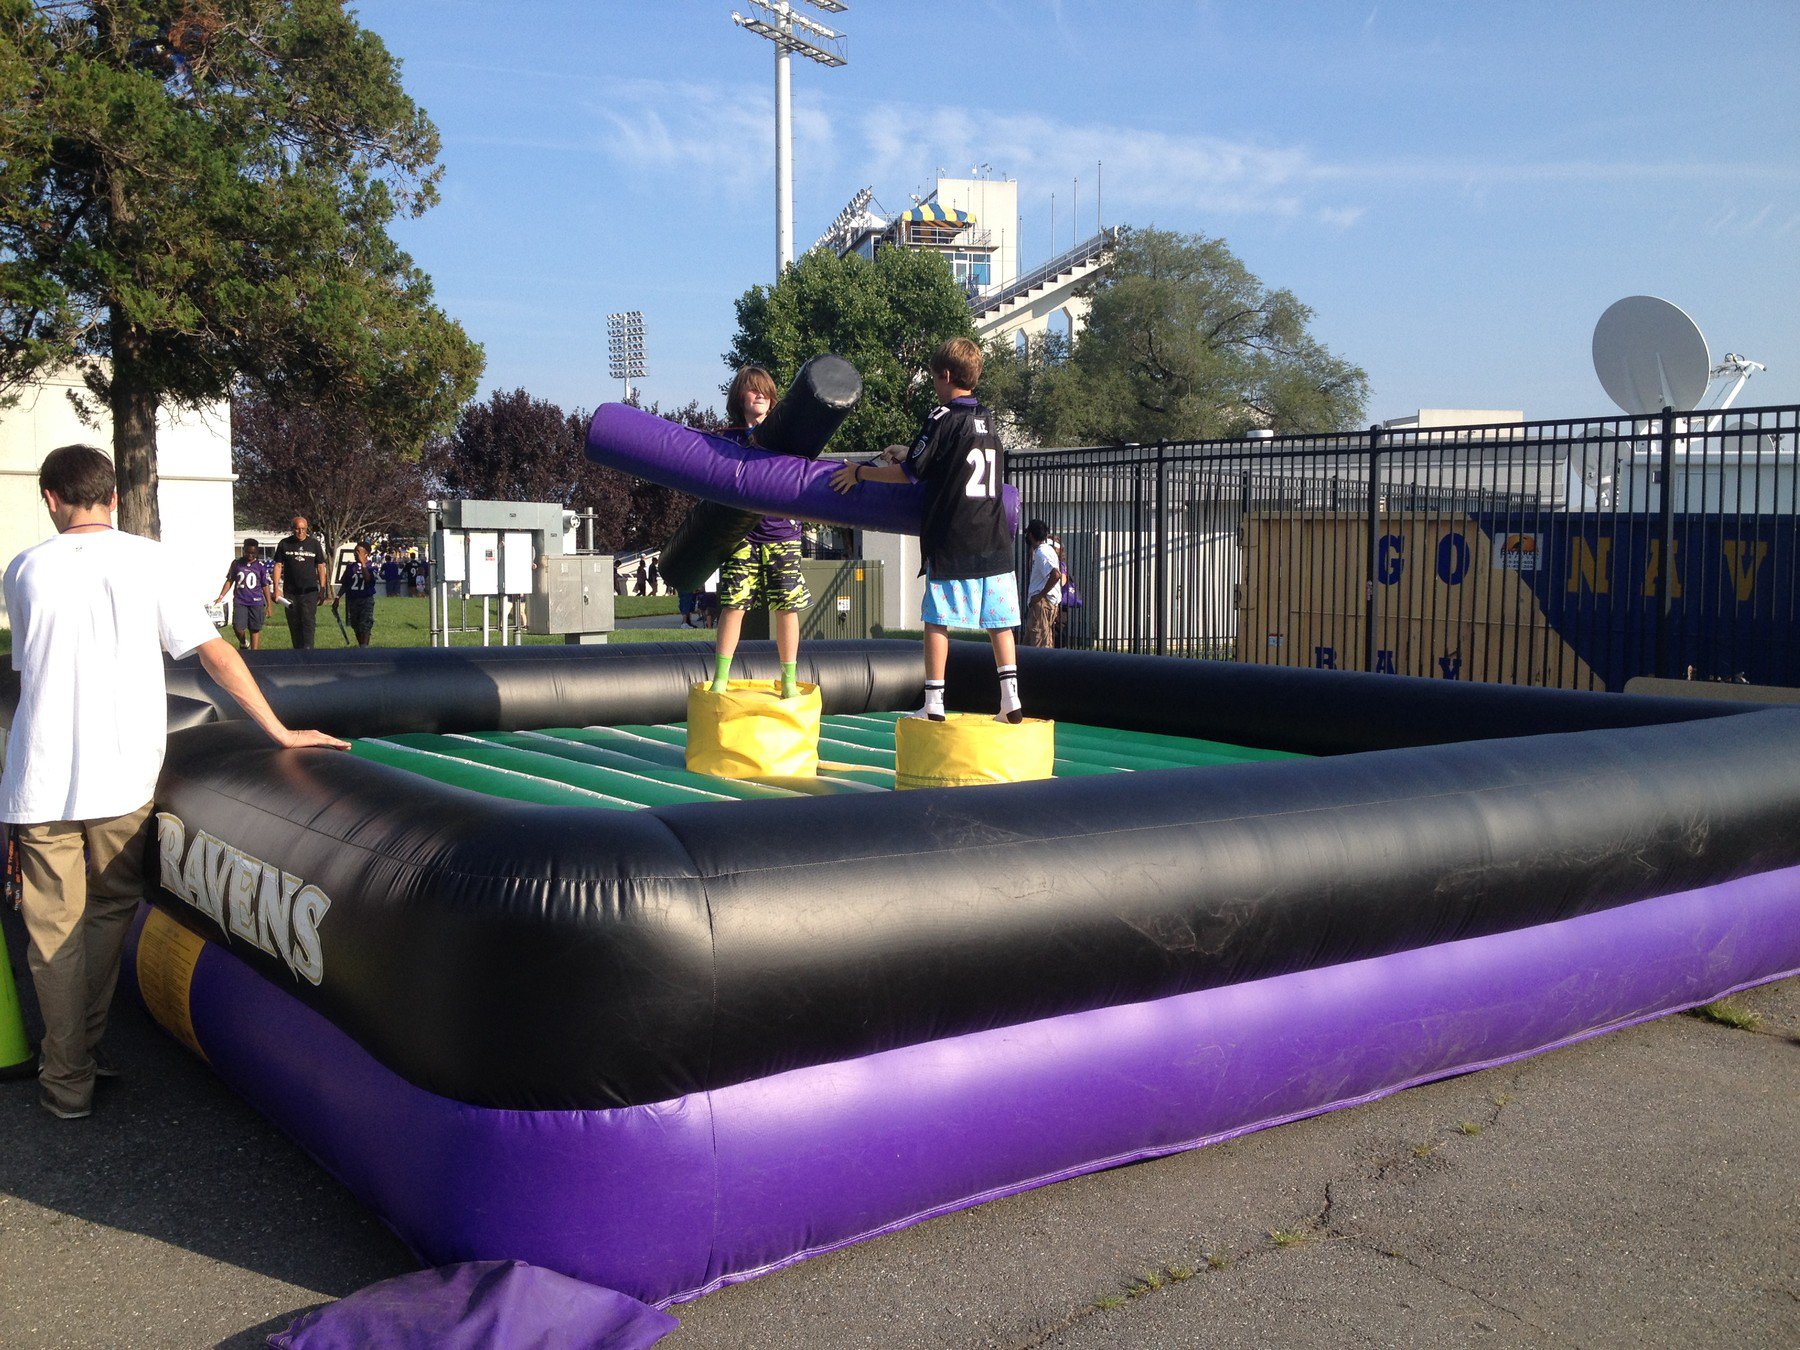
(719, 141)
(702, 133)
(1153, 170)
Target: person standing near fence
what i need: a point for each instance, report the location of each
(1043, 587)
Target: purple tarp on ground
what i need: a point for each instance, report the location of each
(668, 1200)
(719, 470)
(477, 1305)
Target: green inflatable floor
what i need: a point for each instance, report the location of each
(623, 768)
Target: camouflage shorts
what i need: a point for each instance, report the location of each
(763, 576)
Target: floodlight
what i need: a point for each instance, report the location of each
(788, 31)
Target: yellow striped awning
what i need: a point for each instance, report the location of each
(933, 214)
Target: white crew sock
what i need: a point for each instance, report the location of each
(934, 701)
(1011, 709)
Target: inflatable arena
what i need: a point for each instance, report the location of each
(532, 990)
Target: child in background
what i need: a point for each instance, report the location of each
(765, 569)
(968, 551)
(248, 576)
(356, 587)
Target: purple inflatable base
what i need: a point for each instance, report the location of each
(670, 1200)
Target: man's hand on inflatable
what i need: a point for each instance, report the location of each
(846, 478)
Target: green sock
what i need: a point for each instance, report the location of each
(790, 682)
(721, 674)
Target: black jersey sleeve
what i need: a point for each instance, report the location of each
(937, 449)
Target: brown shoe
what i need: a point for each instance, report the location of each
(64, 1112)
(103, 1066)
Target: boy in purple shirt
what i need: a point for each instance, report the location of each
(765, 569)
(247, 578)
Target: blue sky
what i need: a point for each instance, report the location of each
(1457, 190)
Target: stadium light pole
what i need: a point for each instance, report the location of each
(777, 21)
(625, 347)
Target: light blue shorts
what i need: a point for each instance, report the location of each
(982, 602)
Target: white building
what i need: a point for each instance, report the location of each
(193, 468)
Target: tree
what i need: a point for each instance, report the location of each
(513, 448)
(324, 464)
(195, 195)
(519, 448)
(1182, 342)
(886, 317)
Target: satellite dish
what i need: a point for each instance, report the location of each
(1649, 356)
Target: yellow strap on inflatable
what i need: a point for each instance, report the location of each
(750, 731)
(967, 749)
(166, 956)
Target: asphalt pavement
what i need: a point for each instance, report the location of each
(1634, 1190)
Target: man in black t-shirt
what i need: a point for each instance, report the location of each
(299, 578)
(967, 549)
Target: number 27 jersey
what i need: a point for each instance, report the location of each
(957, 457)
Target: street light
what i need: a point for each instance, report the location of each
(791, 32)
(625, 347)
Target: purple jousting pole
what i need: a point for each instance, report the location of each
(719, 470)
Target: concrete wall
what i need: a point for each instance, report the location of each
(193, 466)
(903, 589)
(994, 202)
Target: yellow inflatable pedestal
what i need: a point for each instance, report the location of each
(967, 749)
(750, 731)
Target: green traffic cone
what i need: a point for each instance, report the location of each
(15, 1051)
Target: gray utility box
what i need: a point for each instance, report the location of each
(574, 595)
(544, 519)
(846, 601)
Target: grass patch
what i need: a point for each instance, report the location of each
(1217, 1261)
(1110, 1301)
(640, 606)
(1290, 1237)
(405, 621)
(1424, 1150)
(1468, 1127)
(1728, 1012)
(698, 636)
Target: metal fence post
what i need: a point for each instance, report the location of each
(1162, 550)
(1665, 570)
(1370, 550)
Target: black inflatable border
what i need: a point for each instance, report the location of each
(515, 955)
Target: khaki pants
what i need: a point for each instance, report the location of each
(1040, 623)
(77, 911)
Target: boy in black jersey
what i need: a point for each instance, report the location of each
(968, 552)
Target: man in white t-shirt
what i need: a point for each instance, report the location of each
(92, 612)
(1043, 588)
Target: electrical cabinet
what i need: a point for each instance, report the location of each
(574, 595)
(484, 563)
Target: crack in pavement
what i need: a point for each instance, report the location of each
(1397, 1168)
